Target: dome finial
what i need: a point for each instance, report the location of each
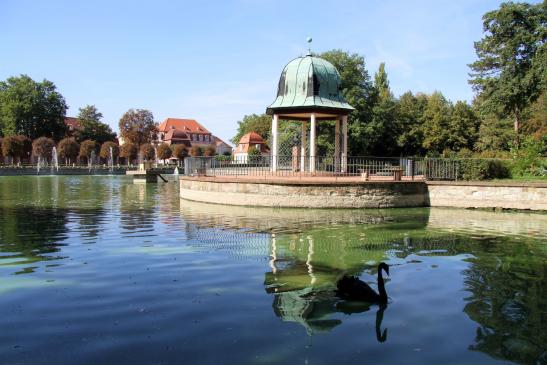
(309, 39)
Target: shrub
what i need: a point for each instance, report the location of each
(86, 148)
(179, 151)
(128, 151)
(209, 151)
(105, 150)
(483, 169)
(147, 151)
(42, 147)
(196, 151)
(527, 159)
(68, 149)
(164, 152)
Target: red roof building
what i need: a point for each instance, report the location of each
(72, 123)
(251, 139)
(197, 133)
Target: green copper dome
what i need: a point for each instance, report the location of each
(309, 83)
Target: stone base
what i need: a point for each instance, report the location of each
(295, 194)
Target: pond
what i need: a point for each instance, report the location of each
(100, 270)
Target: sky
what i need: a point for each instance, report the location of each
(216, 61)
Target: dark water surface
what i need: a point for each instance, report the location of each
(97, 270)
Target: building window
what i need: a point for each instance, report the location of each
(257, 146)
(207, 138)
(200, 138)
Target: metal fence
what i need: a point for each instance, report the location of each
(365, 168)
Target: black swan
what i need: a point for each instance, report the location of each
(350, 287)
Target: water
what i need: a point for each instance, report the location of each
(100, 270)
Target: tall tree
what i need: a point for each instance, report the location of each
(358, 90)
(436, 124)
(106, 148)
(87, 148)
(463, 127)
(91, 126)
(138, 126)
(410, 110)
(31, 108)
(511, 68)
(382, 128)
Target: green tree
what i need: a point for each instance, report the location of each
(91, 126)
(87, 147)
(260, 124)
(128, 151)
(42, 147)
(511, 68)
(138, 126)
(68, 149)
(463, 127)
(409, 112)
(358, 90)
(382, 128)
(105, 150)
(147, 152)
(436, 122)
(31, 108)
(164, 152)
(495, 134)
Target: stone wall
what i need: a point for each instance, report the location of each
(21, 171)
(487, 195)
(304, 195)
(299, 194)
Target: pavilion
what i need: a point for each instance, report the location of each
(310, 90)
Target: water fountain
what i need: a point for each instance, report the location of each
(155, 156)
(39, 165)
(176, 172)
(54, 160)
(90, 160)
(110, 161)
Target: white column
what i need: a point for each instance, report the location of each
(303, 143)
(344, 143)
(274, 142)
(337, 146)
(312, 143)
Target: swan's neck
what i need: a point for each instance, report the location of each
(381, 287)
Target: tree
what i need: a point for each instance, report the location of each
(463, 127)
(409, 111)
(209, 151)
(381, 129)
(42, 147)
(138, 126)
(68, 149)
(87, 148)
(91, 126)
(358, 90)
(436, 121)
(147, 152)
(253, 154)
(196, 151)
(164, 151)
(259, 123)
(495, 134)
(510, 72)
(128, 151)
(107, 147)
(179, 151)
(31, 108)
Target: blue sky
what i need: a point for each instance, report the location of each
(216, 61)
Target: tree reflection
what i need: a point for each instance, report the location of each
(508, 301)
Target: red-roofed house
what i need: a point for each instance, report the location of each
(251, 139)
(190, 133)
(73, 124)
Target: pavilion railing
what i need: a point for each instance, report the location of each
(364, 168)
